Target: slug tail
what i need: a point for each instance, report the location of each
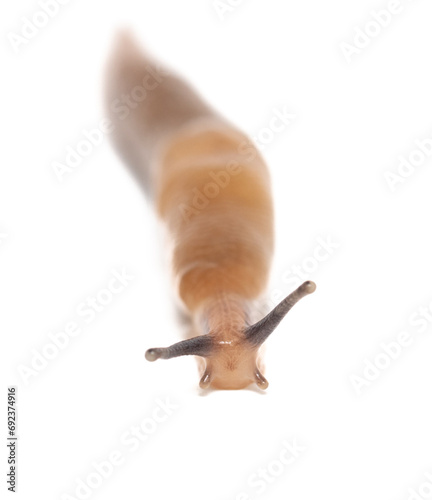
(146, 104)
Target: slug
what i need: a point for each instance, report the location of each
(211, 189)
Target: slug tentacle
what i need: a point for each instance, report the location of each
(260, 380)
(260, 331)
(198, 346)
(205, 380)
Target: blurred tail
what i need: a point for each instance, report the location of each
(146, 104)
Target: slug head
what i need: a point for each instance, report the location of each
(231, 361)
(232, 364)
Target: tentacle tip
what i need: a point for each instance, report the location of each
(205, 381)
(260, 380)
(152, 354)
(262, 384)
(309, 286)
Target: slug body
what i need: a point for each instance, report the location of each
(211, 189)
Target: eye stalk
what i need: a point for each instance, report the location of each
(198, 346)
(260, 331)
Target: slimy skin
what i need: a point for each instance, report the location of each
(211, 189)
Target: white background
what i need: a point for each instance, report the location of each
(61, 240)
